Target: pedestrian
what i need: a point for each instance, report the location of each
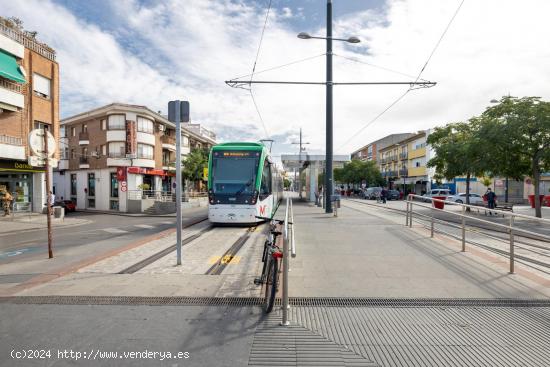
(6, 202)
(491, 200)
(384, 195)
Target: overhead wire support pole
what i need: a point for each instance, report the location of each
(329, 114)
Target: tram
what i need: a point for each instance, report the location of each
(243, 182)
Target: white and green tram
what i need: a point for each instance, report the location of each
(243, 183)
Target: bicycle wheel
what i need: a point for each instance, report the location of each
(270, 285)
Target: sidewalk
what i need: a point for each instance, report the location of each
(33, 221)
(374, 255)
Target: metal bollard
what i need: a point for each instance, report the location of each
(407, 214)
(511, 245)
(411, 216)
(463, 229)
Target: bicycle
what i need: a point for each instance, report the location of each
(270, 270)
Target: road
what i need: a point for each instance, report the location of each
(22, 254)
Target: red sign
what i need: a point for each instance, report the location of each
(146, 171)
(131, 142)
(123, 188)
(121, 173)
(262, 210)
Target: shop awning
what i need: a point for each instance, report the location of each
(9, 68)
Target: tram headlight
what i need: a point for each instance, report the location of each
(210, 196)
(254, 197)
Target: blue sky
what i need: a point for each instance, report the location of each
(150, 52)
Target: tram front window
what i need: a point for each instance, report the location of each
(234, 173)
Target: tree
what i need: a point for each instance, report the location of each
(286, 183)
(519, 139)
(357, 171)
(458, 151)
(194, 165)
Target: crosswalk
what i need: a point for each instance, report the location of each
(115, 230)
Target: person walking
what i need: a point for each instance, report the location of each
(6, 202)
(384, 195)
(491, 199)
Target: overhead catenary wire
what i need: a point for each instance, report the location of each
(377, 66)
(254, 69)
(411, 87)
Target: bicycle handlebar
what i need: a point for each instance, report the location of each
(279, 221)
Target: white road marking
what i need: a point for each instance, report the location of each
(114, 230)
(146, 226)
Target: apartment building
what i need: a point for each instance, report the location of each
(29, 99)
(404, 164)
(371, 151)
(112, 154)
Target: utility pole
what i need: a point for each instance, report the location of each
(48, 196)
(300, 161)
(329, 114)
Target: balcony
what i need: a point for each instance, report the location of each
(63, 164)
(83, 138)
(11, 95)
(168, 142)
(393, 158)
(84, 162)
(12, 147)
(403, 172)
(403, 155)
(28, 42)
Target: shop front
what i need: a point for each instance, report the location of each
(25, 183)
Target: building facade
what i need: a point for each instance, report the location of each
(120, 153)
(371, 151)
(29, 99)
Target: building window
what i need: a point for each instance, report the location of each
(113, 204)
(117, 149)
(104, 124)
(145, 151)
(117, 122)
(91, 203)
(144, 125)
(73, 184)
(91, 184)
(41, 125)
(65, 153)
(41, 86)
(73, 155)
(84, 128)
(114, 185)
(104, 150)
(73, 131)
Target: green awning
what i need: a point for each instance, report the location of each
(9, 68)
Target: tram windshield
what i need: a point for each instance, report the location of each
(234, 172)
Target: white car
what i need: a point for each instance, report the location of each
(436, 192)
(461, 198)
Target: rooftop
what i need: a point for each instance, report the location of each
(13, 30)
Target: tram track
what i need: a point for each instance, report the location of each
(160, 254)
(219, 266)
(520, 243)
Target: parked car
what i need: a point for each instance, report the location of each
(393, 195)
(372, 193)
(67, 204)
(461, 198)
(436, 192)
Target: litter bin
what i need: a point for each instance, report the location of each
(438, 204)
(59, 212)
(547, 200)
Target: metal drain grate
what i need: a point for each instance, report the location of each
(296, 301)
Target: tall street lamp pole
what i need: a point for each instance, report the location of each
(329, 104)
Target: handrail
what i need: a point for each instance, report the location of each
(509, 228)
(292, 240)
(285, 321)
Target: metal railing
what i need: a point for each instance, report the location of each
(11, 86)
(512, 229)
(164, 196)
(11, 140)
(288, 244)
(28, 42)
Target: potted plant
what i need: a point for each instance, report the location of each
(144, 187)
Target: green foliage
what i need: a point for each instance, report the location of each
(144, 186)
(357, 171)
(286, 183)
(194, 165)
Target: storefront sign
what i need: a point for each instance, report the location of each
(146, 171)
(18, 166)
(121, 174)
(205, 174)
(131, 142)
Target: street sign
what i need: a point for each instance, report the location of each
(123, 184)
(123, 188)
(205, 174)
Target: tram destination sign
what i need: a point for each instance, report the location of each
(237, 154)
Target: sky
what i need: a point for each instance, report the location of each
(151, 52)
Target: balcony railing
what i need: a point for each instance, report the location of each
(11, 86)
(167, 139)
(403, 155)
(117, 155)
(393, 158)
(11, 140)
(28, 42)
(403, 172)
(84, 160)
(83, 135)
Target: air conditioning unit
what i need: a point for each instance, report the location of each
(161, 127)
(95, 154)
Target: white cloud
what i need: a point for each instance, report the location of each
(187, 48)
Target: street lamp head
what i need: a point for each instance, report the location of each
(493, 101)
(353, 40)
(304, 35)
